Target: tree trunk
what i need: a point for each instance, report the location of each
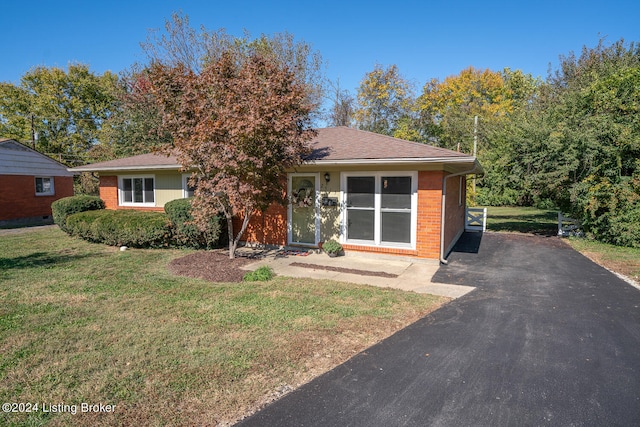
(234, 240)
(232, 244)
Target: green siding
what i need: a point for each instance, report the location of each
(330, 215)
(168, 187)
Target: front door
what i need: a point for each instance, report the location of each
(304, 227)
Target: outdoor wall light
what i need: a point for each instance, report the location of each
(327, 177)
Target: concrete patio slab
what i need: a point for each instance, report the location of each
(413, 275)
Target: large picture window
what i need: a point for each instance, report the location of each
(380, 208)
(137, 190)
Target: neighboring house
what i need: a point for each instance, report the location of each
(370, 192)
(29, 183)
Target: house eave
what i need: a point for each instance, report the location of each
(125, 168)
(452, 163)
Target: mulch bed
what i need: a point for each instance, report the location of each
(214, 266)
(345, 270)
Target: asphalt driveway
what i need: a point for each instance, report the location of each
(547, 338)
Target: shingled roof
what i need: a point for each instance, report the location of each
(139, 162)
(335, 145)
(348, 144)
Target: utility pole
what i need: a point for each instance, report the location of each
(475, 147)
(33, 132)
(475, 135)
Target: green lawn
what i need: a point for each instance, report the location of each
(522, 220)
(82, 322)
(623, 260)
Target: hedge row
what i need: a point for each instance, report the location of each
(85, 217)
(122, 228)
(62, 208)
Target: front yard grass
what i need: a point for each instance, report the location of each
(522, 220)
(622, 260)
(86, 323)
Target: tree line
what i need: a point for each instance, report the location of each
(570, 141)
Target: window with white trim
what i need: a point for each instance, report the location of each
(380, 208)
(136, 190)
(44, 186)
(187, 190)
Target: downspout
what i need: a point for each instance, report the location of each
(444, 204)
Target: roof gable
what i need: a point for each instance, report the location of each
(18, 159)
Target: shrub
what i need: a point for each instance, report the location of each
(262, 274)
(62, 208)
(332, 247)
(122, 228)
(187, 234)
(610, 211)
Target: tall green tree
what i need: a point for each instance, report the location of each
(65, 109)
(448, 108)
(577, 144)
(594, 102)
(385, 98)
(135, 127)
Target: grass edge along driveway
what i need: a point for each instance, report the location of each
(85, 323)
(622, 260)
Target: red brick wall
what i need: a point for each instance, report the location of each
(109, 191)
(380, 250)
(454, 213)
(429, 213)
(18, 196)
(269, 228)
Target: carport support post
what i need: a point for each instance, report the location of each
(444, 204)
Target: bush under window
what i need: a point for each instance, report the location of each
(62, 208)
(122, 228)
(187, 234)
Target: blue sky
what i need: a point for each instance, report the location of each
(425, 39)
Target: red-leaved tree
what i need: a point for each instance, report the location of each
(239, 123)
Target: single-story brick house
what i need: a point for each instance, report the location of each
(371, 192)
(29, 183)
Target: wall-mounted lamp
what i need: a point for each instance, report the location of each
(327, 177)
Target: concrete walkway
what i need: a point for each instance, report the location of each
(26, 229)
(412, 274)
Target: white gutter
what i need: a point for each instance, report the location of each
(125, 168)
(444, 205)
(400, 160)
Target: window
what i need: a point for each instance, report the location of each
(137, 191)
(395, 208)
(187, 190)
(380, 208)
(44, 186)
(361, 207)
